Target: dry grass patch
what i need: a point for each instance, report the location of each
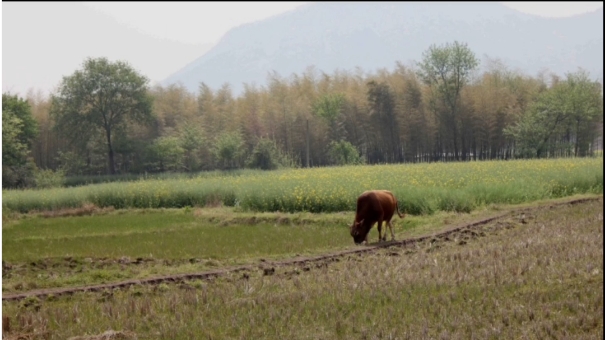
(86, 210)
(108, 335)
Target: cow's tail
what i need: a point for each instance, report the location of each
(398, 213)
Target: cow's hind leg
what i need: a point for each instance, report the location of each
(390, 224)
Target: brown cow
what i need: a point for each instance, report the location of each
(374, 206)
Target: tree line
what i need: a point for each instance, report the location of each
(106, 119)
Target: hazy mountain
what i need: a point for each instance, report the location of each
(53, 39)
(376, 35)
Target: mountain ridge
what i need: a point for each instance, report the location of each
(377, 35)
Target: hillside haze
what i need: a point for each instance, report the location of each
(54, 39)
(376, 35)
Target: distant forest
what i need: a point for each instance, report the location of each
(105, 119)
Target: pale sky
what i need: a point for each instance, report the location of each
(43, 42)
(196, 22)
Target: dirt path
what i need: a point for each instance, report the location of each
(268, 267)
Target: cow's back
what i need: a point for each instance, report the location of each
(368, 207)
(375, 202)
(388, 203)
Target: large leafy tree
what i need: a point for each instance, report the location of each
(21, 109)
(18, 130)
(104, 96)
(228, 148)
(169, 153)
(568, 112)
(585, 110)
(193, 142)
(447, 69)
(329, 107)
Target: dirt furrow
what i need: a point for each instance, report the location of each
(269, 266)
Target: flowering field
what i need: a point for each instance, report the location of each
(419, 188)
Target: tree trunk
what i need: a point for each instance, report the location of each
(112, 168)
(455, 133)
(307, 143)
(577, 146)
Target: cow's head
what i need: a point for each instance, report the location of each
(358, 232)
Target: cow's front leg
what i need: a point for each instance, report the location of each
(381, 236)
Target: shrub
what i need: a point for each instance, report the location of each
(344, 153)
(47, 178)
(265, 155)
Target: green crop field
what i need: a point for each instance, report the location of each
(420, 188)
(78, 250)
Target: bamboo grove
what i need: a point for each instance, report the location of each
(344, 117)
